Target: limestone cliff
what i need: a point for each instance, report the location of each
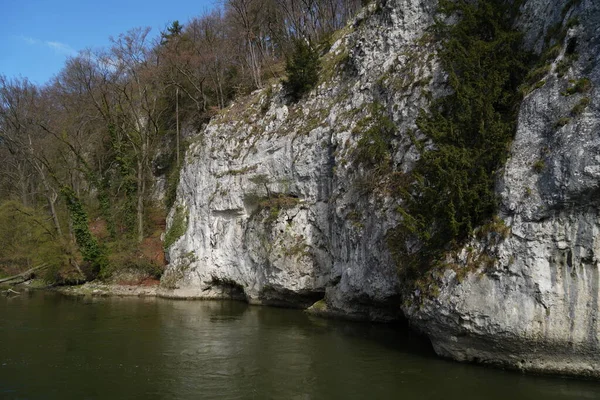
(536, 306)
(274, 208)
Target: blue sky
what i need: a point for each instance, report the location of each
(37, 36)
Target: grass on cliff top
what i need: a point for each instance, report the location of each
(468, 133)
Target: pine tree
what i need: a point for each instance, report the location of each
(302, 69)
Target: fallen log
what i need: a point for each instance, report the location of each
(24, 276)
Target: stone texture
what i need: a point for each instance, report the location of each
(534, 308)
(330, 239)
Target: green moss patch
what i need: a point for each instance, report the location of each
(178, 227)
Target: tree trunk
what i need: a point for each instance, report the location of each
(140, 201)
(254, 64)
(51, 203)
(23, 276)
(177, 123)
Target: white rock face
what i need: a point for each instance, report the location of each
(280, 213)
(536, 309)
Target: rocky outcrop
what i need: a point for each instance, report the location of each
(536, 306)
(276, 206)
(276, 209)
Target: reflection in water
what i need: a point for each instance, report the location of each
(52, 347)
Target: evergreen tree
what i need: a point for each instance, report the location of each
(302, 69)
(470, 130)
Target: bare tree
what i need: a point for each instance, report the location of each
(20, 132)
(137, 93)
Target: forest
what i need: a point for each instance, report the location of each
(91, 160)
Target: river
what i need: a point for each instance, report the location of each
(57, 347)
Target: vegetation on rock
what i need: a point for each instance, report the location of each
(84, 152)
(467, 133)
(178, 227)
(302, 70)
(376, 132)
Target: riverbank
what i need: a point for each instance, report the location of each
(151, 289)
(147, 288)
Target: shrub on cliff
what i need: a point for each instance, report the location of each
(302, 70)
(470, 131)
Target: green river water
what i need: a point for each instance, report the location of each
(56, 347)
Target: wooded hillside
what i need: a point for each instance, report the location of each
(82, 155)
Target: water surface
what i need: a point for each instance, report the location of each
(56, 347)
